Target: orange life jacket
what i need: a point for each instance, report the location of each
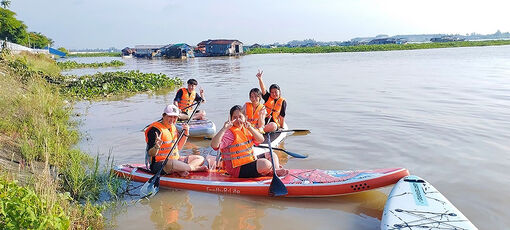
(186, 100)
(169, 138)
(273, 109)
(240, 152)
(253, 116)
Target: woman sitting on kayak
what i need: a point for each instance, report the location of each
(235, 141)
(274, 103)
(161, 136)
(256, 112)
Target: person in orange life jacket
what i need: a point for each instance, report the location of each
(256, 112)
(186, 97)
(235, 141)
(161, 136)
(274, 103)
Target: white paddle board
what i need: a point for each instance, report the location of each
(415, 204)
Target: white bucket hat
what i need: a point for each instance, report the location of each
(171, 110)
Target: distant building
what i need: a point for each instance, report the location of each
(181, 50)
(220, 47)
(447, 39)
(147, 51)
(127, 52)
(16, 48)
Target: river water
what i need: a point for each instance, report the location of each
(444, 114)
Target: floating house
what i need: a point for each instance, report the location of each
(387, 41)
(181, 50)
(147, 51)
(220, 47)
(447, 39)
(127, 52)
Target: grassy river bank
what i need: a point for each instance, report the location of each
(45, 181)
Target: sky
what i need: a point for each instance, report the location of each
(76, 24)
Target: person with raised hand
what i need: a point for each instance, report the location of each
(185, 97)
(274, 103)
(160, 137)
(235, 141)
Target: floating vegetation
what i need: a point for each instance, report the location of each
(103, 54)
(111, 83)
(384, 47)
(75, 65)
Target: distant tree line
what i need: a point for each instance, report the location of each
(14, 30)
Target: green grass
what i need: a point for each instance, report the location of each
(36, 117)
(75, 65)
(104, 54)
(385, 47)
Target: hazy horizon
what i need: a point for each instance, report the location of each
(80, 24)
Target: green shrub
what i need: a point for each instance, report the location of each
(22, 208)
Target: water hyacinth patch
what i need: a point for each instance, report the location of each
(75, 65)
(111, 83)
(383, 47)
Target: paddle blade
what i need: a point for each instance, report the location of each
(150, 188)
(296, 155)
(277, 188)
(301, 132)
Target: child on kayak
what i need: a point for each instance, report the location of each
(235, 141)
(184, 99)
(161, 136)
(274, 103)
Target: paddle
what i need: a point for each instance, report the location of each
(160, 119)
(276, 188)
(296, 155)
(292, 130)
(151, 187)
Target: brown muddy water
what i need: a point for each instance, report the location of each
(444, 114)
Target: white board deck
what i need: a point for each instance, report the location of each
(415, 204)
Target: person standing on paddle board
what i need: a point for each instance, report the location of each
(185, 97)
(235, 141)
(274, 103)
(161, 136)
(256, 112)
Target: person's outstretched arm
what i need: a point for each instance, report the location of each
(261, 82)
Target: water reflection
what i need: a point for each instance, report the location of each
(169, 209)
(238, 214)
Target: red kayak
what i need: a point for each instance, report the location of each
(299, 182)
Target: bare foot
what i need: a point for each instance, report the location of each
(183, 173)
(200, 168)
(282, 172)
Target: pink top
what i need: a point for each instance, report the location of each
(227, 140)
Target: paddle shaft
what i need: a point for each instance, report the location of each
(291, 130)
(296, 155)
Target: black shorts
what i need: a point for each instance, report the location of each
(155, 167)
(249, 170)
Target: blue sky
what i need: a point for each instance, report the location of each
(119, 23)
